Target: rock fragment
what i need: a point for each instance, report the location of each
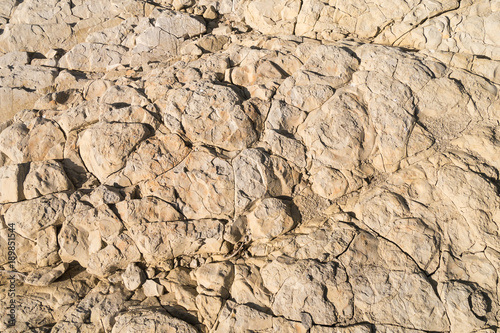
(152, 289)
(11, 179)
(45, 178)
(133, 277)
(104, 146)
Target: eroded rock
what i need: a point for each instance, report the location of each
(234, 166)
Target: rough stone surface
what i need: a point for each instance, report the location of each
(45, 178)
(11, 179)
(250, 166)
(103, 147)
(133, 277)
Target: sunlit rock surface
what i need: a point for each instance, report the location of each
(250, 166)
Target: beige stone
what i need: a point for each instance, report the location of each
(209, 308)
(141, 319)
(324, 241)
(215, 279)
(93, 57)
(213, 115)
(163, 241)
(117, 255)
(203, 185)
(13, 100)
(124, 94)
(33, 216)
(270, 218)
(83, 114)
(103, 151)
(285, 279)
(47, 247)
(28, 77)
(180, 25)
(151, 288)
(27, 37)
(94, 237)
(235, 166)
(37, 140)
(152, 158)
(44, 276)
(425, 307)
(272, 17)
(411, 234)
(210, 13)
(238, 318)
(342, 126)
(148, 209)
(11, 179)
(468, 315)
(258, 174)
(180, 4)
(290, 149)
(45, 178)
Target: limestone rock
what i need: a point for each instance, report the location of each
(466, 315)
(211, 114)
(180, 25)
(412, 235)
(133, 277)
(270, 218)
(343, 125)
(13, 100)
(284, 117)
(238, 318)
(45, 178)
(101, 304)
(47, 247)
(27, 37)
(146, 210)
(163, 241)
(36, 140)
(215, 279)
(116, 255)
(286, 147)
(11, 179)
(151, 288)
(272, 17)
(203, 185)
(44, 276)
(85, 113)
(93, 57)
(209, 308)
(104, 195)
(124, 94)
(104, 146)
(94, 238)
(378, 291)
(258, 174)
(164, 37)
(325, 241)
(7, 7)
(35, 215)
(150, 320)
(180, 4)
(252, 165)
(152, 158)
(27, 76)
(285, 279)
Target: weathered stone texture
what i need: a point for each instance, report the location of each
(264, 166)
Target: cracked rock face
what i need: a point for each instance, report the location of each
(250, 166)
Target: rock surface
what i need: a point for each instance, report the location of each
(250, 166)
